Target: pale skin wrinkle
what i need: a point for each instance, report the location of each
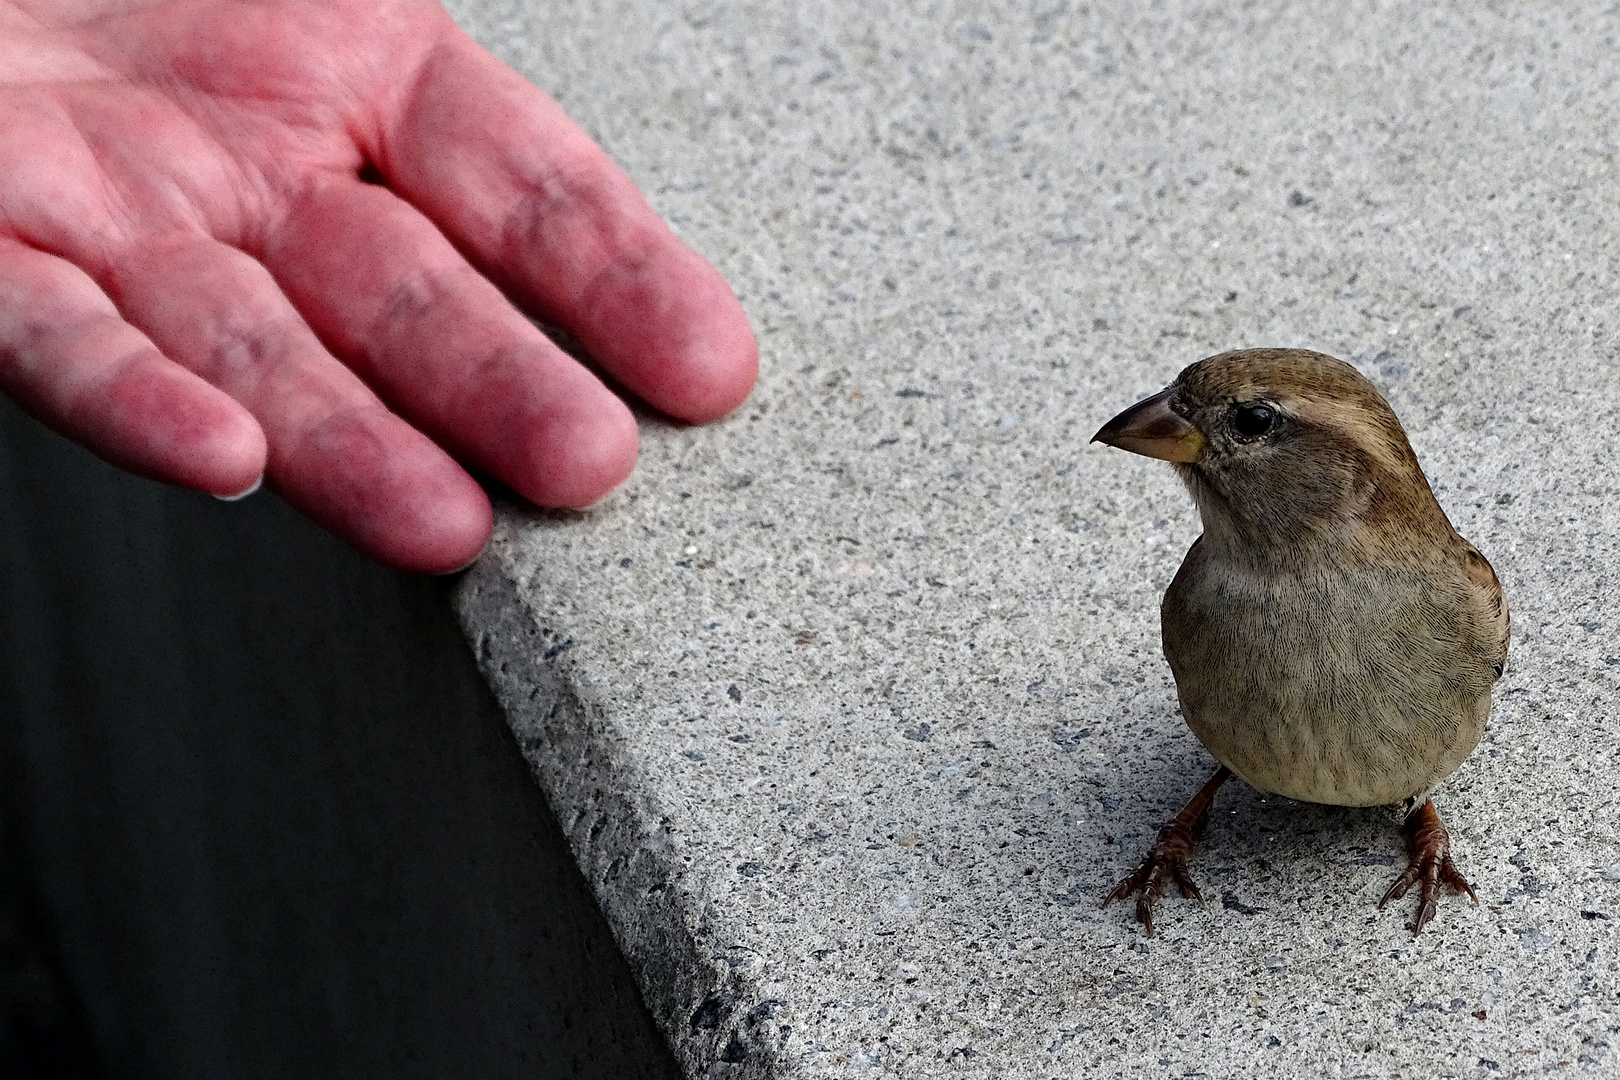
(283, 240)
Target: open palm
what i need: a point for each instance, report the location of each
(271, 238)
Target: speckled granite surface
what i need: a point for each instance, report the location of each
(853, 704)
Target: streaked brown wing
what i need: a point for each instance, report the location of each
(1492, 603)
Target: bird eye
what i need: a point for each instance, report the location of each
(1253, 421)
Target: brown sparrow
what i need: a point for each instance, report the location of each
(1332, 637)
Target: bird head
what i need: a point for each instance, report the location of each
(1282, 447)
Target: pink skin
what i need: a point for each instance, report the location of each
(196, 284)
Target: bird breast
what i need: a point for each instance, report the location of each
(1352, 686)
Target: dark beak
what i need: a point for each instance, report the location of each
(1153, 429)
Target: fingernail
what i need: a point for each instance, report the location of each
(244, 493)
(465, 565)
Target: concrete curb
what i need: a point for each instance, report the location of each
(878, 654)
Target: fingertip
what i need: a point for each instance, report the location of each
(693, 354)
(455, 534)
(578, 457)
(234, 455)
(720, 371)
(386, 488)
(468, 564)
(436, 519)
(157, 419)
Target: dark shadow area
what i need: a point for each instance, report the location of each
(266, 819)
(42, 1035)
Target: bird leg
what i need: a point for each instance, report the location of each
(1167, 859)
(1428, 853)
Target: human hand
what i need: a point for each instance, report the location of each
(198, 282)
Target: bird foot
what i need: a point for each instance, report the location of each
(1428, 848)
(1166, 862)
(1167, 859)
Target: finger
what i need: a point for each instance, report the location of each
(446, 349)
(70, 359)
(335, 451)
(537, 205)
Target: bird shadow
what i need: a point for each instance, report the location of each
(1258, 852)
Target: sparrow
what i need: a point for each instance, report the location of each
(1333, 638)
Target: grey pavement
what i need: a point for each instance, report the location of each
(852, 705)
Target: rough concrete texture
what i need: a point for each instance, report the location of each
(853, 704)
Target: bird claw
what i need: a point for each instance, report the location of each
(1166, 862)
(1185, 884)
(1428, 848)
(1167, 859)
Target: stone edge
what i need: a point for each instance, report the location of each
(717, 1020)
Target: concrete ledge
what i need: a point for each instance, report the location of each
(620, 835)
(852, 705)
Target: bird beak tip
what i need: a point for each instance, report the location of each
(1153, 429)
